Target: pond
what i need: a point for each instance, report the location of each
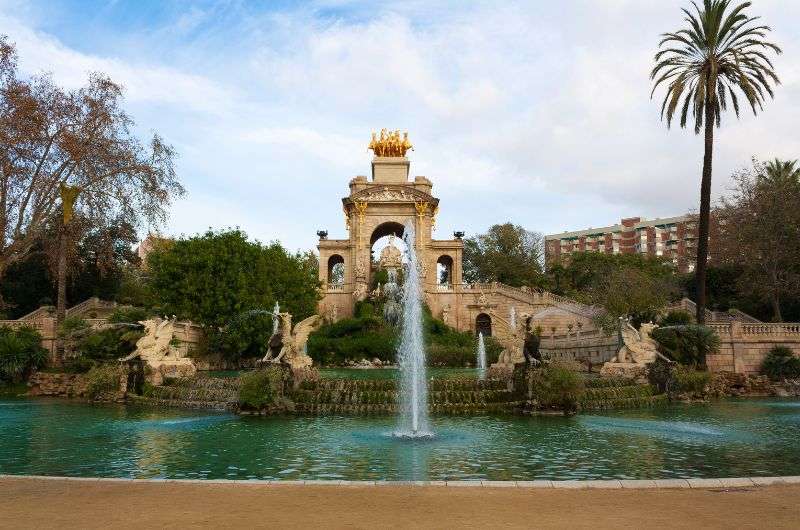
(724, 439)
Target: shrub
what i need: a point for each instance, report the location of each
(70, 325)
(129, 315)
(107, 344)
(260, 388)
(103, 378)
(686, 380)
(676, 317)
(687, 344)
(781, 363)
(21, 352)
(245, 337)
(659, 374)
(558, 385)
(353, 339)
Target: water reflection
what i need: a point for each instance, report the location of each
(736, 438)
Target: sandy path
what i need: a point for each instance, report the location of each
(27, 503)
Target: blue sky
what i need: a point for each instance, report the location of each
(532, 112)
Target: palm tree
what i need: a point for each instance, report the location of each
(782, 171)
(720, 53)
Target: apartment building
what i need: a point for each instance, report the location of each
(672, 237)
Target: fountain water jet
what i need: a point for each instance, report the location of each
(411, 351)
(481, 357)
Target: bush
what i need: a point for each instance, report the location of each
(21, 353)
(129, 315)
(71, 325)
(676, 379)
(781, 363)
(103, 378)
(245, 337)
(557, 385)
(687, 344)
(686, 380)
(676, 317)
(352, 339)
(659, 374)
(108, 344)
(260, 388)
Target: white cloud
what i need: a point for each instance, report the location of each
(535, 113)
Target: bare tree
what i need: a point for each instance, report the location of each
(51, 137)
(758, 228)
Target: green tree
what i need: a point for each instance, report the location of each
(506, 253)
(585, 270)
(214, 277)
(720, 52)
(624, 285)
(98, 263)
(757, 228)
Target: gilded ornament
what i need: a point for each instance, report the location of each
(390, 143)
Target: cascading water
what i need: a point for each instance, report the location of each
(481, 357)
(275, 319)
(512, 318)
(411, 351)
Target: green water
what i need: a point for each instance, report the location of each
(732, 438)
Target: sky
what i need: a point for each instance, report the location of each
(538, 113)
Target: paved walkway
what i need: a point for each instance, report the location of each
(37, 503)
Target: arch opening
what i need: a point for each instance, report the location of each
(336, 270)
(444, 271)
(483, 324)
(386, 229)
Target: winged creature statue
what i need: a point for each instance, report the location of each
(287, 345)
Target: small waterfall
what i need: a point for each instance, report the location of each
(481, 357)
(391, 308)
(513, 319)
(411, 351)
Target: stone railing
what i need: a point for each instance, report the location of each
(336, 287)
(444, 288)
(744, 345)
(782, 328)
(43, 312)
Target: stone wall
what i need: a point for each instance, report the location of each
(743, 346)
(59, 385)
(593, 346)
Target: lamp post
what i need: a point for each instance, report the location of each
(69, 194)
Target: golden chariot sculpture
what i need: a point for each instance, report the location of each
(390, 144)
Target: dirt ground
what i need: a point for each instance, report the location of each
(35, 503)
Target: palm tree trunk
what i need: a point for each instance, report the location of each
(705, 212)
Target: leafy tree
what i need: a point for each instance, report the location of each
(246, 336)
(214, 277)
(507, 253)
(757, 229)
(100, 262)
(629, 285)
(83, 139)
(720, 51)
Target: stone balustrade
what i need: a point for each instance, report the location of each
(743, 345)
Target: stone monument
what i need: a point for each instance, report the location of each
(158, 351)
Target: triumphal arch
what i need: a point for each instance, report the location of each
(380, 205)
